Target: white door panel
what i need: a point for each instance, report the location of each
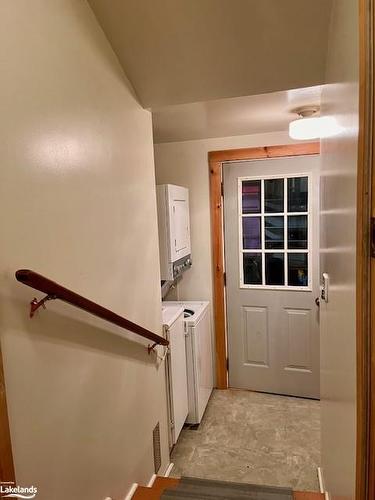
(179, 220)
(255, 331)
(179, 396)
(297, 342)
(271, 260)
(181, 213)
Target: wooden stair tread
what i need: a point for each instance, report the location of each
(154, 493)
(307, 495)
(165, 482)
(161, 483)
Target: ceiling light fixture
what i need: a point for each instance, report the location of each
(310, 125)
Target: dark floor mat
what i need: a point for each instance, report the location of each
(205, 489)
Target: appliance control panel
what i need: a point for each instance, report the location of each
(181, 265)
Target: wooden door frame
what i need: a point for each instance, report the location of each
(365, 272)
(7, 473)
(216, 159)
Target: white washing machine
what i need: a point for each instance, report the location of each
(199, 360)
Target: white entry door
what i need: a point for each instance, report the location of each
(272, 275)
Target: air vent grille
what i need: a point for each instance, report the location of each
(156, 445)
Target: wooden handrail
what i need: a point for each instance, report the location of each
(56, 291)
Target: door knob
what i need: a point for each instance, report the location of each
(317, 301)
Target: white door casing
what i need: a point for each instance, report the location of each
(273, 322)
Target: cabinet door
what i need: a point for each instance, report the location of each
(178, 375)
(179, 219)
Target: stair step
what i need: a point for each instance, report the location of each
(154, 493)
(168, 483)
(307, 495)
(203, 489)
(297, 495)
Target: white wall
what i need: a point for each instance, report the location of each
(186, 164)
(338, 255)
(78, 205)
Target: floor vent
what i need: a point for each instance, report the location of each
(156, 445)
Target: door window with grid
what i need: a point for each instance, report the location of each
(274, 232)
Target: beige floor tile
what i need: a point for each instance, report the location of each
(253, 437)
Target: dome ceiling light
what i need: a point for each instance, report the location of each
(310, 125)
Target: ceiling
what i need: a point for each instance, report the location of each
(181, 51)
(229, 117)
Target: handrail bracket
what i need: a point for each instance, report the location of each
(150, 347)
(35, 303)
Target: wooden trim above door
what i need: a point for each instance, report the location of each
(216, 160)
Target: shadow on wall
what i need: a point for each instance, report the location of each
(87, 27)
(63, 324)
(81, 394)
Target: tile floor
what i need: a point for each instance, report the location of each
(255, 438)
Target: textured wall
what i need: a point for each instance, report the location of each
(78, 205)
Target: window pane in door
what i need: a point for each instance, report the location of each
(251, 233)
(297, 194)
(274, 268)
(297, 269)
(274, 232)
(252, 268)
(274, 195)
(297, 231)
(251, 197)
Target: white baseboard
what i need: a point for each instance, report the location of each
(169, 469)
(131, 492)
(152, 480)
(322, 488)
(322, 485)
(166, 474)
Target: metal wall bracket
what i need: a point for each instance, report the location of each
(151, 347)
(35, 303)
